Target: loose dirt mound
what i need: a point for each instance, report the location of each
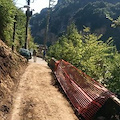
(10, 66)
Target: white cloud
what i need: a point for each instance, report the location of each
(38, 5)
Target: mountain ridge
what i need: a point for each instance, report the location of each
(77, 11)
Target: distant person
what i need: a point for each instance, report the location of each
(34, 55)
(44, 53)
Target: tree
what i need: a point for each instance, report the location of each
(9, 14)
(7, 11)
(89, 53)
(115, 23)
(20, 29)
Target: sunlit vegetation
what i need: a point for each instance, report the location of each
(88, 52)
(8, 11)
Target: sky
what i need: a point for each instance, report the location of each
(37, 5)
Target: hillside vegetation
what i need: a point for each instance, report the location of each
(91, 44)
(91, 13)
(88, 52)
(11, 63)
(9, 14)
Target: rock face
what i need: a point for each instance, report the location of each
(90, 13)
(10, 66)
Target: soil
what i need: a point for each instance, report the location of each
(11, 65)
(27, 91)
(37, 98)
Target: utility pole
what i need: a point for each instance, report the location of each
(14, 27)
(51, 5)
(28, 14)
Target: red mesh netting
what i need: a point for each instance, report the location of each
(86, 95)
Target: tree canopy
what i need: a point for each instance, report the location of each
(9, 14)
(88, 52)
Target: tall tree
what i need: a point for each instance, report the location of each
(10, 14)
(7, 11)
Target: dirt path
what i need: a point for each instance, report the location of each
(36, 97)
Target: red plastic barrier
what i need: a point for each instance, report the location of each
(86, 95)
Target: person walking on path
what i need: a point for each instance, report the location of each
(44, 53)
(34, 55)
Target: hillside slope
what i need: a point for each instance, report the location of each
(11, 65)
(91, 13)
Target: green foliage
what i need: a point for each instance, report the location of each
(31, 44)
(90, 54)
(115, 23)
(20, 29)
(90, 13)
(7, 11)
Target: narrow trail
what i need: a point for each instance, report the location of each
(36, 97)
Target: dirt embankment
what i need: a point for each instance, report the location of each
(35, 97)
(11, 65)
